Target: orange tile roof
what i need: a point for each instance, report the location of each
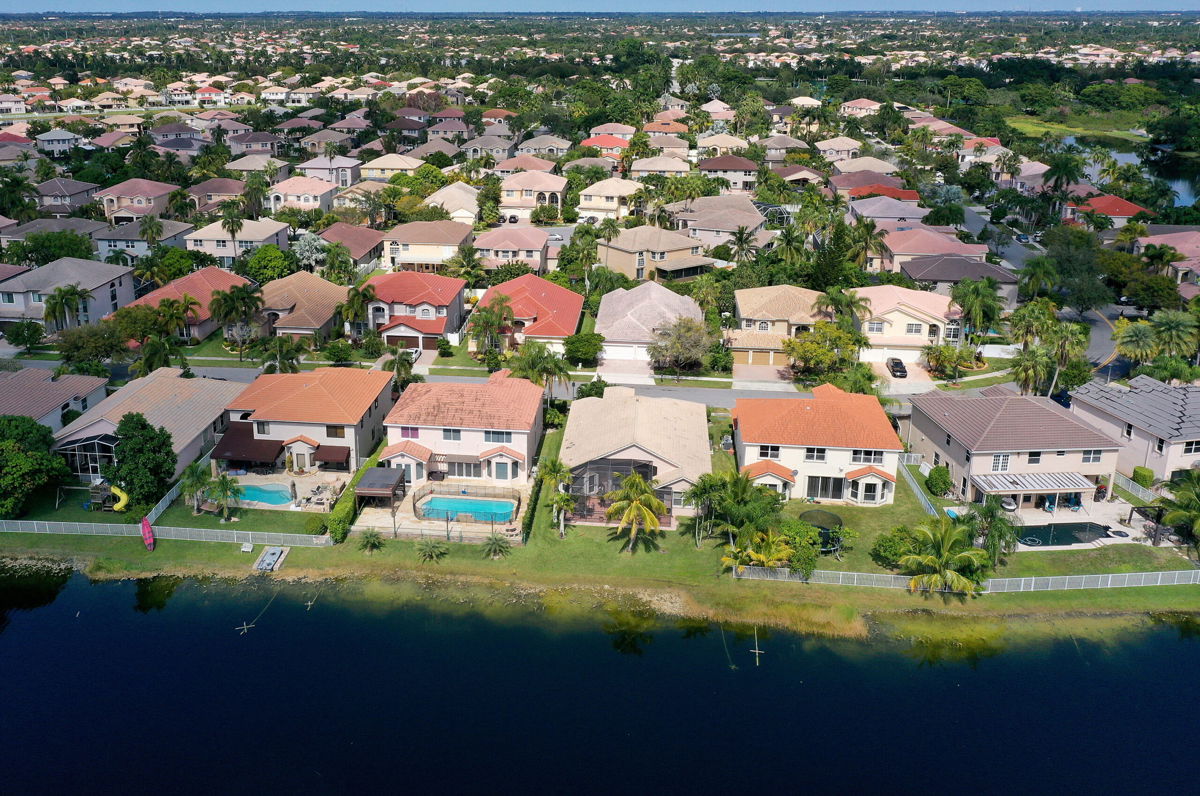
(414, 287)
(831, 419)
(1109, 205)
(200, 285)
(768, 467)
(501, 402)
(408, 447)
(870, 470)
(554, 310)
(502, 449)
(312, 443)
(337, 396)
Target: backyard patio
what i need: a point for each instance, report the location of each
(314, 491)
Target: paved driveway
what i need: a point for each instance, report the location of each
(760, 373)
(918, 380)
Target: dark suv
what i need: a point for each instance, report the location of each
(897, 369)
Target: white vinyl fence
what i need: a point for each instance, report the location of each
(184, 534)
(1137, 490)
(1185, 577)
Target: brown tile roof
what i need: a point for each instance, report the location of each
(138, 187)
(830, 419)
(200, 285)
(444, 232)
(324, 395)
(502, 402)
(359, 240)
(311, 300)
(33, 392)
(1009, 423)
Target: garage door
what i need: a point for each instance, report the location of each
(779, 358)
(402, 340)
(909, 355)
(623, 352)
(741, 357)
(429, 343)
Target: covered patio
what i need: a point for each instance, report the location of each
(379, 486)
(1046, 492)
(240, 451)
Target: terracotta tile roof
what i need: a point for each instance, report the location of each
(768, 467)
(1113, 206)
(414, 287)
(444, 232)
(605, 142)
(301, 438)
(200, 285)
(870, 470)
(408, 447)
(359, 240)
(422, 325)
(310, 300)
(549, 310)
(502, 402)
(879, 189)
(502, 450)
(830, 419)
(138, 187)
(324, 395)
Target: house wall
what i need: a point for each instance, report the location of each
(361, 438)
(473, 444)
(1139, 448)
(601, 206)
(638, 265)
(225, 250)
(895, 341)
(838, 462)
(403, 256)
(144, 205)
(53, 419)
(381, 312)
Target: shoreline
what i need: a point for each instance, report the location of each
(831, 612)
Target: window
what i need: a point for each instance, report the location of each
(1159, 444)
(1000, 463)
(866, 457)
(814, 454)
(1128, 430)
(937, 459)
(441, 311)
(1091, 457)
(464, 469)
(1035, 457)
(745, 324)
(500, 471)
(641, 272)
(497, 436)
(1192, 447)
(335, 432)
(947, 439)
(37, 297)
(952, 330)
(222, 244)
(912, 328)
(677, 499)
(875, 327)
(408, 432)
(426, 312)
(1060, 453)
(768, 451)
(870, 493)
(763, 326)
(262, 427)
(824, 486)
(452, 434)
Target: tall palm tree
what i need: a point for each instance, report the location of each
(1175, 332)
(226, 492)
(1039, 273)
(466, 264)
(636, 506)
(148, 270)
(789, 244)
(194, 482)
(742, 246)
(157, 352)
(280, 354)
(151, 230)
(844, 306)
(236, 309)
(945, 559)
(489, 321)
(179, 203)
(64, 304)
(1031, 322)
(866, 239)
(706, 292)
(979, 302)
(1128, 235)
(254, 192)
(703, 495)
(356, 309)
(540, 365)
(1031, 367)
(339, 265)
(1159, 257)
(231, 220)
(1136, 341)
(1067, 341)
(990, 521)
(608, 230)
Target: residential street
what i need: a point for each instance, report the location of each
(1015, 254)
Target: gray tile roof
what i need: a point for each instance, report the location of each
(133, 230)
(1172, 413)
(999, 423)
(633, 315)
(954, 268)
(90, 274)
(33, 392)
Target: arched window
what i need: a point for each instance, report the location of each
(763, 326)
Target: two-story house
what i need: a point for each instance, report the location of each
(765, 317)
(838, 148)
(23, 294)
(340, 170)
(629, 320)
(39, 394)
(129, 240)
(481, 433)
(385, 167)
(522, 192)
(661, 165)
(607, 199)
(1025, 448)
(323, 419)
(742, 173)
(648, 252)
(944, 271)
(57, 143)
(62, 196)
(835, 446)
(215, 240)
(1156, 424)
(902, 321)
(542, 310)
(415, 309)
(132, 199)
(253, 143)
(208, 196)
(301, 193)
(424, 245)
(507, 244)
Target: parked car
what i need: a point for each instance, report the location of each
(1022, 238)
(1124, 301)
(897, 368)
(554, 236)
(512, 219)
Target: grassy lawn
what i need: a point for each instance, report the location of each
(915, 469)
(1094, 560)
(211, 346)
(667, 381)
(589, 323)
(458, 371)
(41, 507)
(975, 384)
(1129, 497)
(1101, 125)
(719, 425)
(459, 358)
(993, 364)
(179, 515)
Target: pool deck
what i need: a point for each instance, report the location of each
(1111, 513)
(305, 484)
(408, 524)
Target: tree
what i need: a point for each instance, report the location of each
(226, 492)
(92, 343)
(40, 248)
(1183, 506)
(826, 348)
(703, 495)
(194, 481)
(944, 559)
(536, 362)
(865, 240)
(1135, 340)
(25, 334)
(681, 345)
(236, 310)
(1068, 342)
(356, 309)
(280, 354)
(1031, 367)
(231, 220)
(151, 230)
(23, 471)
(1176, 332)
(591, 389)
(339, 265)
(338, 352)
(990, 521)
(26, 432)
(844, 307)
(144, 460)
(157, 352)
(490, 321)
(636, 507)
(65, 304)
(583, 348)
(979, 301)
(466, 264)
(370, 541)
(309, 251)
(742, 245)
(496, 546)
(266, 264)
(1038, 274)
(431, 551)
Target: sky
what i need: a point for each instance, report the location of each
(485, 6)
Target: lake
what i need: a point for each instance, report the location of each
(149, 685)
(1183, 174)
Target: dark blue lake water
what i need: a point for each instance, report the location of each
(142, 687)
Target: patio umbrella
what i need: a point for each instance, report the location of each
(293, 490)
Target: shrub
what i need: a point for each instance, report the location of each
(314, 524)
(591, 389)
(496, 546)
(1143, 477)
(892, 546)
(555, 418)
(444, 347)
(135, 511)
(372, 344)
(431, 551)
(938, 481)
(339, 528)
(531, 509)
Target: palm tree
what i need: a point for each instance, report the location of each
(866, 239)
(638, 508)
(489, 321)
(179, 203)
(148, 270)
(496, 546)
(339, 264)
(703, 495)
(225, 491)
(841, 305)
(1067, 341)
(467, 265)
(979, 301)
(356, 309)
(254, 192)
(431, 551)
(1183, 506)
(157, 352)
(1175, 331)
(280, 354)
(1136, 341)
(1127, 235)
(371, 540)
(943, 554)
(1030, 322)
(706, 292)
(540, 365)
(151, 230)
(231, 220)
(608, 230)
(789, 244)
(194, 481)
(742, 246)
(993, 523)
(1064, 170)
(65, 303)
(1031, 367)
(1159, 257)
(235, 309)
(1039, 274)
(771, 549)
(561, 503)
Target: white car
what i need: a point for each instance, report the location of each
(554, 236)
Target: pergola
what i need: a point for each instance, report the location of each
(380, 484)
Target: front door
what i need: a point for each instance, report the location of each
(500, 471)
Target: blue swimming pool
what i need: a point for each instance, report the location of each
(1061, 533)
(441, 507)
(272, 494)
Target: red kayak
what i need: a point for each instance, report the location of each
(147, 534)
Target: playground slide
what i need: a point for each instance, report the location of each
(122, 498)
